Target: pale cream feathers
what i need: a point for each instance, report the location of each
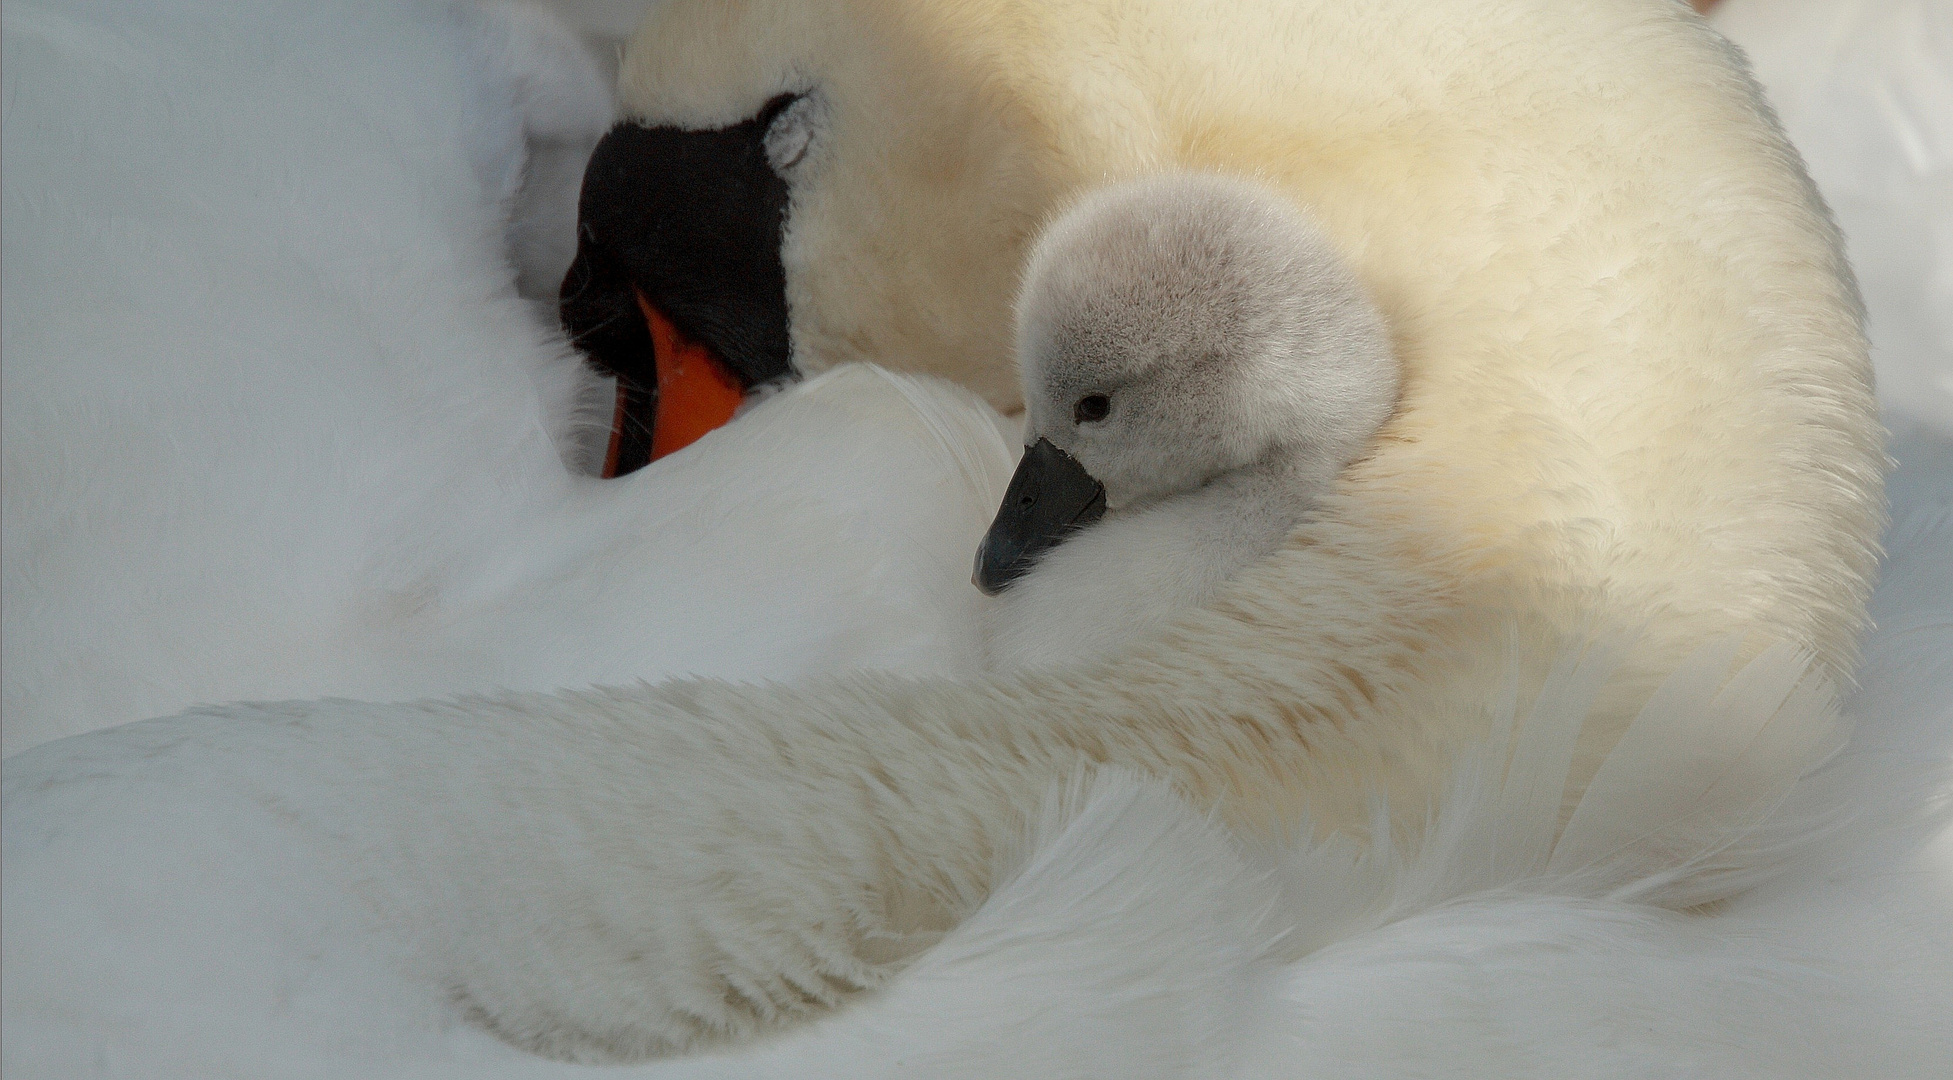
(1636, 401)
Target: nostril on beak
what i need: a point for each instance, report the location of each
(1028, 524)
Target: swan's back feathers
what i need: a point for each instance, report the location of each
(1131, 925)
(1694, 803)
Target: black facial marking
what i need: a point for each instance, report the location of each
(694, 219)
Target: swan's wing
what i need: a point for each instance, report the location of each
(1689, 805)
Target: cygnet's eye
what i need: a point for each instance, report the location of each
(1092, 409)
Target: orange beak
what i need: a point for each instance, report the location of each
(695, 394)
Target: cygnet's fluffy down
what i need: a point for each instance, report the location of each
(1199, 348)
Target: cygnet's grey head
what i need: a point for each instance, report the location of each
(1175, 329)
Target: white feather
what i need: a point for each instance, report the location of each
(277, 426)
(166, 917)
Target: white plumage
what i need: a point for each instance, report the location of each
(277, 426)
(1132, 936)
(255, 896)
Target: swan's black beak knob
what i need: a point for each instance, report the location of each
(1049, 496)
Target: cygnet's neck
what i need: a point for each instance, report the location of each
(1140, 565)
(1245, 513)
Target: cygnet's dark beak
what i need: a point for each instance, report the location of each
(1049, 497)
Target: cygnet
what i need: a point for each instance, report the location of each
(1199, 365)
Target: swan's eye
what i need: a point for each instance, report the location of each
(789, 121)
(1090, 410)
